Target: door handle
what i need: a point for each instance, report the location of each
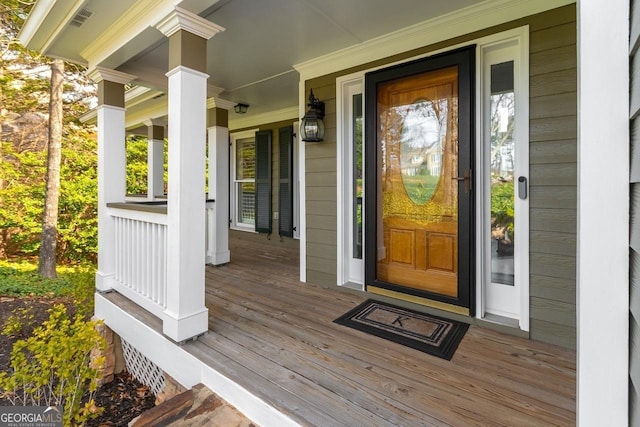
(467, 178)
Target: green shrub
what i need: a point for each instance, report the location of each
(83, 289)
(53, 367)
(19, 322)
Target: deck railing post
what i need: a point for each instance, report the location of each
(111, 162)
(186, 315)
(218, 220)
(155, 159)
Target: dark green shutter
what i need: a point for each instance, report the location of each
(263, 181)
(285, 201)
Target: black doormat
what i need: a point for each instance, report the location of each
(430, 334)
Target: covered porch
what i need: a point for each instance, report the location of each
(273, 351)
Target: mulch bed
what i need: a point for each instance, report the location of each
(122, 399)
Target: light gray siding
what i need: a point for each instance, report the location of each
(553, 171)
(634, 252)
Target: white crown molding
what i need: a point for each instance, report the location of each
(135, 92)
(155, 122)
(139, 95)
(261, 119)
(464, 21)
(220, 103)
(99, 74)
(182, 19)
(183, 69)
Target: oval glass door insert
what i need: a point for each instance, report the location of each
(424, 125)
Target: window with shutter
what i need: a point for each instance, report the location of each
(263, 181)
(285, 201)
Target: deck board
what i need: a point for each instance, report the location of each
(275, 336)
(272, 322)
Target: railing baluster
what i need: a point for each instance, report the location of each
(141, 260)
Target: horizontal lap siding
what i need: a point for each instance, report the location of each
(553, 171)
(634, 252)
(553, 178)
(321, 201)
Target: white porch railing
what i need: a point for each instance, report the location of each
(141, 253)
(141, 257)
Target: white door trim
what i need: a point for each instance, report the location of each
(350, 271)
(512, 45)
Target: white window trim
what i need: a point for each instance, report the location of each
(349, 273)
(234, 225)
(296, 181)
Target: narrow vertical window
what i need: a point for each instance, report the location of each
(502, 152)
(357, 175)
(503, 180)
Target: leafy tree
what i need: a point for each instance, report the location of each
(21, 201)
(24, 100)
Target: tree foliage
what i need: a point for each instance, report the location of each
(24, 105)
(22, 201)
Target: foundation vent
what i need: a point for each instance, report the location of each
(143, 369)
(81, 17)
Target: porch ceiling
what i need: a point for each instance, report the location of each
(252, 60)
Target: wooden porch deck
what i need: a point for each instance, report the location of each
(276, 337)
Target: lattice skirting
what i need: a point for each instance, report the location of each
(143, 369)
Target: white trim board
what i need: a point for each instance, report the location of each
(603, 215)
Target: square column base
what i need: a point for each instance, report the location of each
(105, 282)
(185, 327)
(218, 258)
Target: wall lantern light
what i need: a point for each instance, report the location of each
(312, 126)
(240, 108)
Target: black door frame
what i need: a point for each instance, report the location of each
(464, 58)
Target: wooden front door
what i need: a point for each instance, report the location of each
(419, 161)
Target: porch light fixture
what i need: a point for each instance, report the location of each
(312, 126)
(240, 108)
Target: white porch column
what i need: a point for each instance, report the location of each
(603, 214)
(186, 314)
(155, 159)
(218, 226)
(111, 165)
